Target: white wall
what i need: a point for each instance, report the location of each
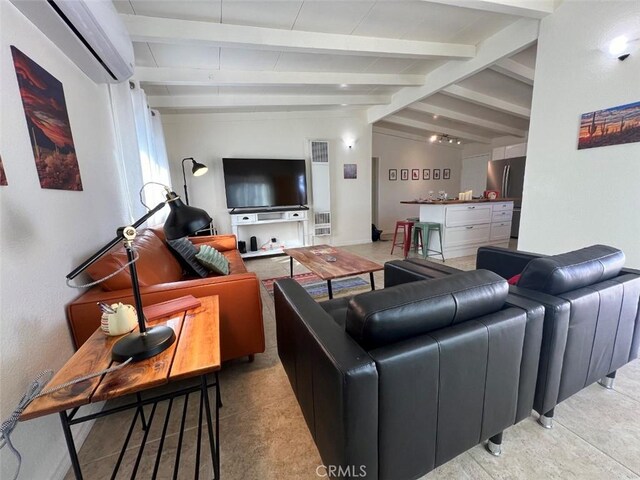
(44, 234)
(474, 173)
(398, 152)
(575, 198)
(210, 137)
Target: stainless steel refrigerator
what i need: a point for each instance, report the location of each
(507, 177)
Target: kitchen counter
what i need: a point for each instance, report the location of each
(454, 202)
(467, 224)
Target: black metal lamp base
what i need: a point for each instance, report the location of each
(142, 346)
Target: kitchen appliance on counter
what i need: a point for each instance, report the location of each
(507, 176)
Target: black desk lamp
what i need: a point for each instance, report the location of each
(182, 221)
(197, 170)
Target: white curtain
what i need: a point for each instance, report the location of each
(152, 153)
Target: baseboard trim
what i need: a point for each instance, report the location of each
(351, 242)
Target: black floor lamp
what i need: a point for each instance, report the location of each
(183, 220)
(197, 170)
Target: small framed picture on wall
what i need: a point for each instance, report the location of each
(415, 174)
(436, 174)
(446, 173)
(426, 174)
(393, 174)
(404, 174)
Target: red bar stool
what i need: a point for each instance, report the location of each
(406, 227)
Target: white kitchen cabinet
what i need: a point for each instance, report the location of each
(500, 231)
(462, 215)
(513, 151)
(467, 226)
(502, 216)
(498, 153)
(468, 235)
(509, 151)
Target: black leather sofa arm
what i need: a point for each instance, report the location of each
(334, 379)
(503, 261)
(397, 272)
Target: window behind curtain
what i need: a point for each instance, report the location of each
(143, 152)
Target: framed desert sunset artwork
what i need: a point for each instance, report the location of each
(611, 126)
(45, 110)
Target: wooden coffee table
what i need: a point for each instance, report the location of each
(195, 353)
(330, 263)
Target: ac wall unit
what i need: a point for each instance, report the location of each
(320, 185)
(89, 32)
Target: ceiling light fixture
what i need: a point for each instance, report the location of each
(621, 47)
(444, 138)
(343, 85)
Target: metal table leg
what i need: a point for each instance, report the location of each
(73, 454)
(291, 266)
(69, 419)
(372, 281)
(329, 289)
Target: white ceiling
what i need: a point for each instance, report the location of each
(218, 66)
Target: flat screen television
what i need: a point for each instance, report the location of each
(264, 182)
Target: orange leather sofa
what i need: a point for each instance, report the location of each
(161, 278)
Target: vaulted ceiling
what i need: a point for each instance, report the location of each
(463, 68)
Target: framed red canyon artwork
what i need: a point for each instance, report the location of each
(48, 122)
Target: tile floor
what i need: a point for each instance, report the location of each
(264, 436)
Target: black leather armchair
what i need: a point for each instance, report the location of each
(592, 320)
(401, 380)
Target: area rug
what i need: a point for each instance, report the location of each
(317, 287)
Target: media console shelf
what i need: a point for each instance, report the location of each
(288, 227)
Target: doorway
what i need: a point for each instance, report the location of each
(375, 164)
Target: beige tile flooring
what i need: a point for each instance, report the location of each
(264, 436)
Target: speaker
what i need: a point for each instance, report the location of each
(254, 244)
(242, 246)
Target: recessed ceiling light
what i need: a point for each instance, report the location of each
(343, 85)
(344, 104)
(459, 142)
(435, 117)
(433, 138)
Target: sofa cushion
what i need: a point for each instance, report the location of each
(572, 270)
(404, 311)
(337, 308)
(236, 264)
(186, 252)
(213, 260)
(155, 264)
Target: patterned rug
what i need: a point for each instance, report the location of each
(317, 287)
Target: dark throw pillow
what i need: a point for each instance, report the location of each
(186, 252)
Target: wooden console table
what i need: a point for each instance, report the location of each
(195, 353)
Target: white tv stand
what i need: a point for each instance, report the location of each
(289, 227)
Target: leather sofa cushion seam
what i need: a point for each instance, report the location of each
(486, 375)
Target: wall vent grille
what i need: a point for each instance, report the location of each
(320, 152)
